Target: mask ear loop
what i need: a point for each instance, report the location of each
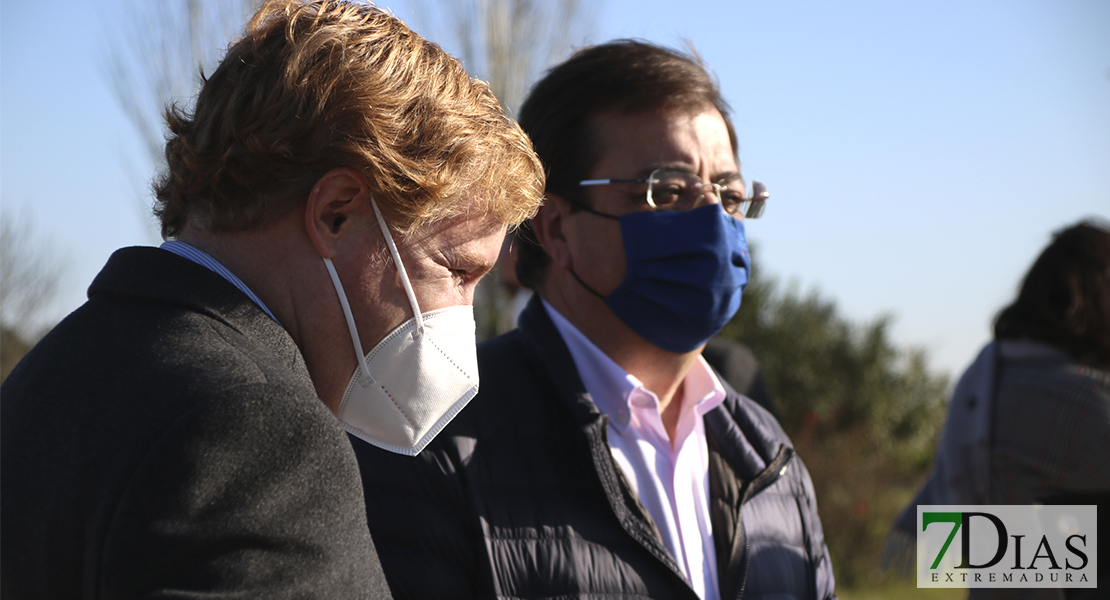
(367, 379)
(419, 331)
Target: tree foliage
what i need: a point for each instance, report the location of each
(863, 413)
(835, 375)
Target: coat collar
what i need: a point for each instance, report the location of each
(156, 275)
(750, 437)
(543, 338)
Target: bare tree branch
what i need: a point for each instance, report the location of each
(508, 43)
(156, 57)
(30, 273)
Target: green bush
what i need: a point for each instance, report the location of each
(864, 415)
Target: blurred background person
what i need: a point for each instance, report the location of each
(737, 364)
(1029, 421)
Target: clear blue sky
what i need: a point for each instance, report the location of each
(918, 154)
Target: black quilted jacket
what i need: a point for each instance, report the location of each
(519, 496)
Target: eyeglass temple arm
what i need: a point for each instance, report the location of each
(608, 181)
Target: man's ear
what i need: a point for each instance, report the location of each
(335, 198)
(547, 226)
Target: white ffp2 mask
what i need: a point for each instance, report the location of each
(410, 386)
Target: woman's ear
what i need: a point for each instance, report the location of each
(339, 195)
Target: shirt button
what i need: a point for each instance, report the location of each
(621, 417)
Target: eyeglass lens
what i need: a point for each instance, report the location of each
(677, 190)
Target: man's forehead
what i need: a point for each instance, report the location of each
(686, 140)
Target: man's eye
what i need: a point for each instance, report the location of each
(667, 194)
(471, 275)
(731, 199)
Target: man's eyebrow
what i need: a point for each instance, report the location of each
(686, 168)
(667, 166)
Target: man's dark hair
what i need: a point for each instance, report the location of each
(622, 76)
(1065, 298)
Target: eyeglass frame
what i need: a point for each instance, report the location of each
(756, 207)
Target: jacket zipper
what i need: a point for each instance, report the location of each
(764, 480)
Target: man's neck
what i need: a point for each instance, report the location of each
(241, 253)
(660, 371)
(291, 281)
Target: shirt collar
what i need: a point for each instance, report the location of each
(203, 259)
(612, 388)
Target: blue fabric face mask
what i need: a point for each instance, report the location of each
(686, 271)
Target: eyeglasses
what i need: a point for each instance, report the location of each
(666, 189)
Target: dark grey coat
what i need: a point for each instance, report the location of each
(520, 498)
(165, 440)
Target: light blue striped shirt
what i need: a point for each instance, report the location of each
(201, 258)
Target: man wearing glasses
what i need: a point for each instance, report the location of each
(603, 457)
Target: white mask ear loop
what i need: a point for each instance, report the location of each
(401, 270)
(367, 379)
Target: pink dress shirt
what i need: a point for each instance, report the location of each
(672, 480)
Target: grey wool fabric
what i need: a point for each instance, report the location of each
(165, 440)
